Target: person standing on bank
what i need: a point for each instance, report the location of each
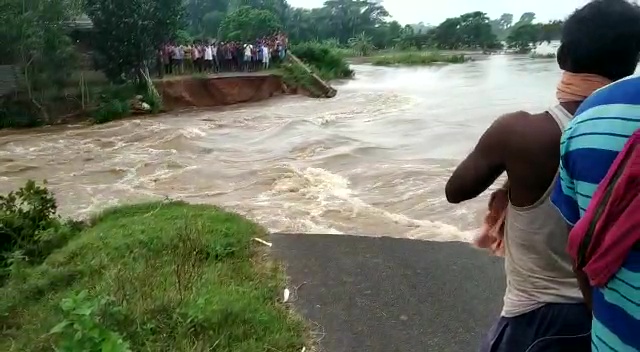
(543, 309)
(597, 191)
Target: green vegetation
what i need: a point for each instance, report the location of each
(417, 59)
(33, 39)
(54, 55)
(296, 76)
(323, 59)
(127, 35)
(361, 26)
(115, 101)
(246, 24)
(523, 38)
(362, 44)
(542, 56)
(29, 226)
(160, 276)
(46, 50)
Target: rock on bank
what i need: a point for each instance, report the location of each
(210, 91)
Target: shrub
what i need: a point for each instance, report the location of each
(82, 328)
(115, 100)
(295, 76)
(30, 225)
(417, 58)
(543, 56)
(15, 113)
(324, 58)
(111, 110)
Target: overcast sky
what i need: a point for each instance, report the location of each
(436, 11)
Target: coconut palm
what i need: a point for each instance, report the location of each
(362, 44)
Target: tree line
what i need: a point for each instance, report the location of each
(37, 35)
(345, 21)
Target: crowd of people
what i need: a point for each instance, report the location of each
(213, 56)
(566, 220)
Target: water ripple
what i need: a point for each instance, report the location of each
(373, 160)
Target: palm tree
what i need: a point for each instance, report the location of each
(362, 44)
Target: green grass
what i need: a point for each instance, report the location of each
(161, 276)
(325, 60)
(417, 59)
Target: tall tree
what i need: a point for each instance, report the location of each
(196, 10)
(523, 37)
(476, 30)
(501, 26)
(34, 37)
(551, 31)
(349, 17)
(447, 34)
(211, 23)
(129, 31)
(526, 18)
(247, 23)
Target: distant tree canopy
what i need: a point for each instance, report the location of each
(129, 31)
(524, 37)
(35, 41)
(248, 23)
(350, 21)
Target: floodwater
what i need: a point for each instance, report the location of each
(371, 161)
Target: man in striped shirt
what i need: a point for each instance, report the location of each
(589, 145)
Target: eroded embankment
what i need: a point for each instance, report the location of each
(218, 90)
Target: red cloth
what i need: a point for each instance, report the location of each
(617, 227)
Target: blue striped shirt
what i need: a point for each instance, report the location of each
(588, 147)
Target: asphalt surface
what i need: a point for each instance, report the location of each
(385, 294)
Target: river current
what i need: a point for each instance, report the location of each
(371, 161)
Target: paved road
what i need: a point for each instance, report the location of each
(389, 294)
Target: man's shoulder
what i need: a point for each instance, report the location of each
(601, 127)
(613, 110)
(514, 128)
(513, 118)
(623, 92)
(522, 121)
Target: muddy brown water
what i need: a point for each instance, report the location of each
(372, 161)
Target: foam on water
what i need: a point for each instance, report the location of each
(371, 161)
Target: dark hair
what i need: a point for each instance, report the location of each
(602, 38)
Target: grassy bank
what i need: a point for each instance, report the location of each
(161, 276)
(417, 59)
(99, 102)
(325, 60)
(542, 56)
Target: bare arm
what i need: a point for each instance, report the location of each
(483, 166)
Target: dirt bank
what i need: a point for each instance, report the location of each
(183, 92)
